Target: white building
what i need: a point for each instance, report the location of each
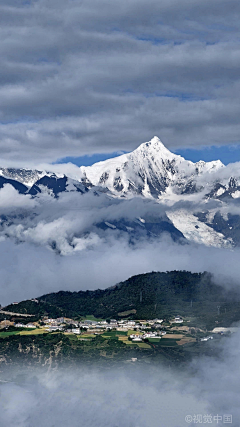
(30, 325)
(150, 335)
(178, 319)
(206, 338)
(131, 323)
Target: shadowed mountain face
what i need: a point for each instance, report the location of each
(56, 185)
(21, 188)
(198, 202)
(148, 228)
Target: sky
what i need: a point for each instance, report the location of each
(82, 78)
(226, 153)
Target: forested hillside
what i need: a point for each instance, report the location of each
(144, 296)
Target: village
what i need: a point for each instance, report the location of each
(128, 330)
(138, 334)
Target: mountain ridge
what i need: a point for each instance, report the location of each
(143, 296)
(153, 164)
(148, 171)
(190, 197)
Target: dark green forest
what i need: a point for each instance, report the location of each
(147, 296)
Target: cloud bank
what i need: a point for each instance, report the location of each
(80, 78)
(29, 271)
(135, 396)
(49, 244)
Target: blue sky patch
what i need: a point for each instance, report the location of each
(226, 153)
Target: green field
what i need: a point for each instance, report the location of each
(168, 342)
(93, 318)
(33, 332)
(89, 337)
(112, 334)
(8, 334)
(22, 332)
(72, 337)
(130, 332)
(143, 345)
(130, 343)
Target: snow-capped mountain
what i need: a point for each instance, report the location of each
(35, 182)
(151, 171)
(27, 177)
(189, 201)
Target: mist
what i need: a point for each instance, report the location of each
(30, 271)
(134, 396)
(129, 398)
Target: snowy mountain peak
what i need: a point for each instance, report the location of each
(146, 171)
(151, 170)
(156, 147)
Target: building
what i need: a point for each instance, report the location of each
(131, 323)
(206, 338)
(30, 325)
(178, 319)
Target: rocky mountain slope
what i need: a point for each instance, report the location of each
(151, 171)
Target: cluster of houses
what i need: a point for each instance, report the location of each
(75, 327)
(28, 325)
(139, 338)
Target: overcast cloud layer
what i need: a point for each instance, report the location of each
(80, 77)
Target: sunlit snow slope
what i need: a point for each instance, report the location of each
(196, 201)
(151, 170)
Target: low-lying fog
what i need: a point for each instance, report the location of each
(30, 271)
(138, 396)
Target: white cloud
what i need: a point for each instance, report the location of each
(136, 395)
(96, 399)
(10, 199)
